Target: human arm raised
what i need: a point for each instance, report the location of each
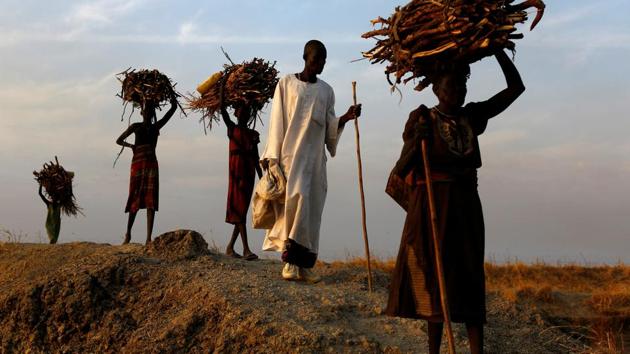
(502, 100)
(224, 114)
(41, 195)
(162, 122)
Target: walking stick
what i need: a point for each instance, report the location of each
(436, 248)
(365, 236)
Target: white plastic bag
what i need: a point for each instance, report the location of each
(269, 190)
(272, 184)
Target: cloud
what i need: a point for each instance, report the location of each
(101, 11)
(107, 21)
(579, 46)
(33, 100)
(571, 16)
(601, 38)
(186, 35)
(39, 117)
(185, 31)
(73, 27)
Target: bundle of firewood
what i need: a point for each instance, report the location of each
(250, 84)
(424, 32)
(146, 87)
(57, 184)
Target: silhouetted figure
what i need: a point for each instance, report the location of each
(144, 180)
(302, 126)
(53, 217)
(451, 130)
(243, 167)
(55, 190)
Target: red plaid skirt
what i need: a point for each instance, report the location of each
(144, 180)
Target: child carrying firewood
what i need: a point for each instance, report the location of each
(146, 89)
(144, 179)
(246, 88)
(53, 217)
(56, 183)
(243, 165)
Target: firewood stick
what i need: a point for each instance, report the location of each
(363, 217)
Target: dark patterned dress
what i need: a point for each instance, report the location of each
(242, 172)
(454, 157)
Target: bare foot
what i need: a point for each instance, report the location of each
(127, 238)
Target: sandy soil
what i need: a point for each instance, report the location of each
(177, 296)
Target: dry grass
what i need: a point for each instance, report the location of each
(569, 278)
(612, 301)
(376, 263)
(595, 298)
(12, 236)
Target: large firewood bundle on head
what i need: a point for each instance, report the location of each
(251, 83)
(146, 88)
(425, 32)
(57, 184)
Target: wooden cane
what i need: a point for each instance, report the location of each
(436, 249)
(365, 235)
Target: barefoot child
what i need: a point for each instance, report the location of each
(59, 197)
(147, 90)
(246, 88)
(53, 217)
(243, 165)
(144, 179)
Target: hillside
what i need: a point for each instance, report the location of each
(177, 296)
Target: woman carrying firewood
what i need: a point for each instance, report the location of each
(243, 165)
(144, 180)
(451, 131)
(439, 274)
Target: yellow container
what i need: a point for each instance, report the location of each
(211, 81)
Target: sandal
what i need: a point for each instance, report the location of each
(234, 255)
(251, 257)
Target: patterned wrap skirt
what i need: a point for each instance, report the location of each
(144, 180)
(414, 290)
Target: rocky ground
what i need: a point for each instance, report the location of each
(176, 296)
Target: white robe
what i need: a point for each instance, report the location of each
(302, 123)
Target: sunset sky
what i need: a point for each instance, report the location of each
(554, 184)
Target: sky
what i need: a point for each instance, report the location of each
(556, 164)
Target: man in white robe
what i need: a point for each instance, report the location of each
(302, 126)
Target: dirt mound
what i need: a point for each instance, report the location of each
(180, 244)
(85, 297)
